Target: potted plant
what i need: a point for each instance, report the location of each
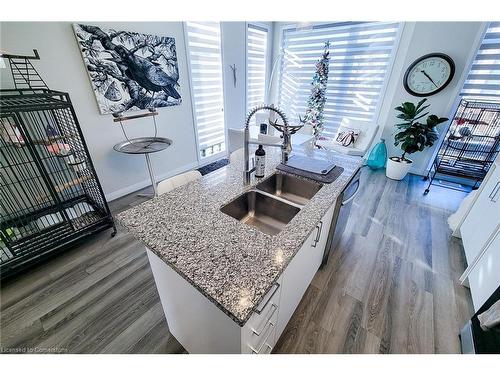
(413, 136)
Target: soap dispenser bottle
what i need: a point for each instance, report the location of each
(260, 162)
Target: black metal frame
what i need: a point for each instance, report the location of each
(469, 155)
(50, 195)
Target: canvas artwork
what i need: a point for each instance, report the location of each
(129, 71)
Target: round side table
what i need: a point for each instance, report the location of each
(145, 146)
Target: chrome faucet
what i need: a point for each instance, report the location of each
(286, 146)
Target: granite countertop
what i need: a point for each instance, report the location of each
(231, 263)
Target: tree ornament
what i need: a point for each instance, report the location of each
(317, 99)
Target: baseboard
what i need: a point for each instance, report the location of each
(419, 172)
(142, 184)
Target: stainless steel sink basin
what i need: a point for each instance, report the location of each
(268, 214)
(291, 188)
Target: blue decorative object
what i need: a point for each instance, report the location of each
(378, 156)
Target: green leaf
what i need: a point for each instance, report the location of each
(441, 120)
(422, 109)
(433, 120)
(413, 135)
(432, 136)
(420, 103)
(422, 139)
(409, 106)
(409, 109)
(403, 125)
(416, 118)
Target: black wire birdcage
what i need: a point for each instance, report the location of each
(50, 195)
(471, 145)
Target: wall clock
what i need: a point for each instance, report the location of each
(429, 74)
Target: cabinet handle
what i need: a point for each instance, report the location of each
(479, 256)
(264, 342)
(276, 285)
(494, 192)
(275, 308)
(270, 349)
(318, 233)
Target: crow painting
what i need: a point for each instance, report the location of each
(129, 71)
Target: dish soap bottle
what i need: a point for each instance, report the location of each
(260, 162)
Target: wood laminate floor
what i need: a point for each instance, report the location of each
(389, 287)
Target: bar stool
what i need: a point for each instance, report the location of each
(171, 183)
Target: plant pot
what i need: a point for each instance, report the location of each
(396, 168)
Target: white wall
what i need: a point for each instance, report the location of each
(457, 39)
(234, 49)
(62, 68)
(234, 52)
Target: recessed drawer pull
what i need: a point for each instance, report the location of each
(274, 308)
(269, 347)
(264, 342)
(276, 287)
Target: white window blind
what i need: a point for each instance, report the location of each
(205, 61)
(360, 58)
(484, 77)
(256, 65)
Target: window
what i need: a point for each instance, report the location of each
(360, 58)
(484, 77)
(256, 65)
(205, 63)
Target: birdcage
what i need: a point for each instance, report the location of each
(471, 144)
(50, 195)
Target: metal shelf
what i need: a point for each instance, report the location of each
(471, 145)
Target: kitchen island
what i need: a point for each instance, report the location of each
(219, 278)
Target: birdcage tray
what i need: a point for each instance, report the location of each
(143, 145)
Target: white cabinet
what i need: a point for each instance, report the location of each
(296, 278)
(484, 216)
(258, 336)
(323, 228)
(301, 270)
(481, 240)
(201, 327)
(484, 279)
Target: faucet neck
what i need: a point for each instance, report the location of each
(285, 147)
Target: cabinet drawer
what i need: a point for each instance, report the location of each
(296, 278)
(483, 217)
(484, 279)
(262, 344)
(322, 229)
(258, 332)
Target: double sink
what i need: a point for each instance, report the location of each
(273, 203)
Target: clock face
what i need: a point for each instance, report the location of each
(429, 74)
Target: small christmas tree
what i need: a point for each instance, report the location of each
(316, 102)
